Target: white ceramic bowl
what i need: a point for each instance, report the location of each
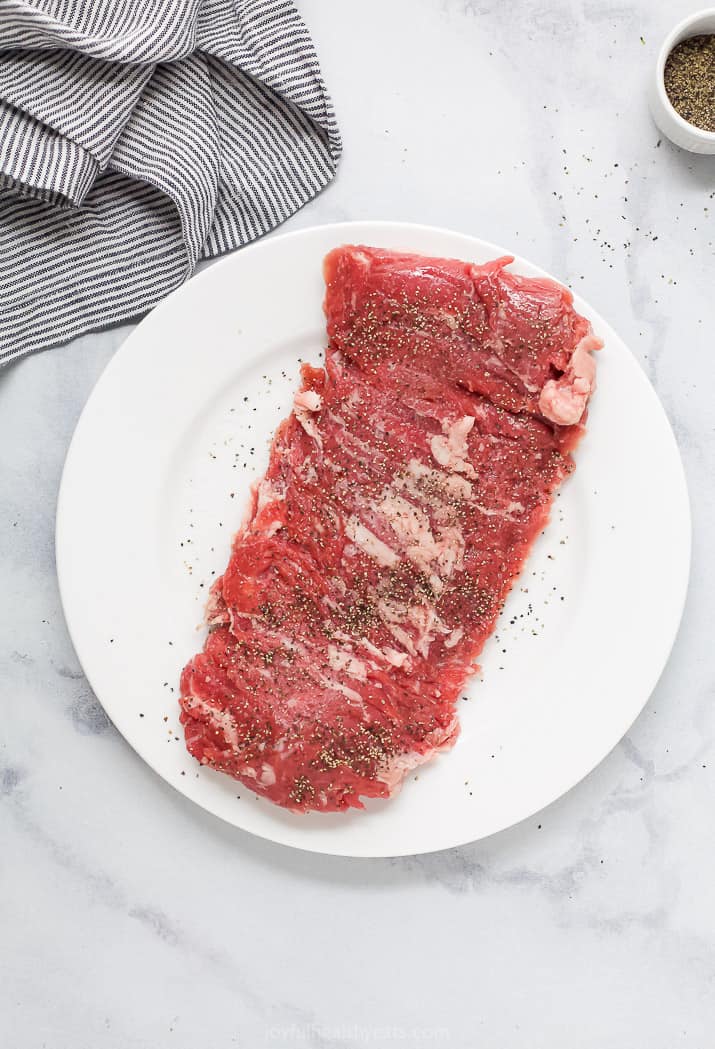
(678, 130)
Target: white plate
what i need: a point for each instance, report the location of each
(163, 455)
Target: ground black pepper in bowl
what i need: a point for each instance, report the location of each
(690, 80)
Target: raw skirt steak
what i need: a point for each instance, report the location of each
(401, 499)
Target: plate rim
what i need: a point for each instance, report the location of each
(344, 228)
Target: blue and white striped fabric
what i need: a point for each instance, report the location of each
(139, 136)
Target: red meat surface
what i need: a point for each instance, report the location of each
(401, 499)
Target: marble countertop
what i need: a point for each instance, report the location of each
(129, 917)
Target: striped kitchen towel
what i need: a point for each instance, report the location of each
(139, 136)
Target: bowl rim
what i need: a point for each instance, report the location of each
(674, 37)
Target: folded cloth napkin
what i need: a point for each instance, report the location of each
(139, 136)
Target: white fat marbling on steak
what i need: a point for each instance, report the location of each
(564, 400)
(369, 543)
(411, 526)
(342, 659)
(305, 404)
(450, 448)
